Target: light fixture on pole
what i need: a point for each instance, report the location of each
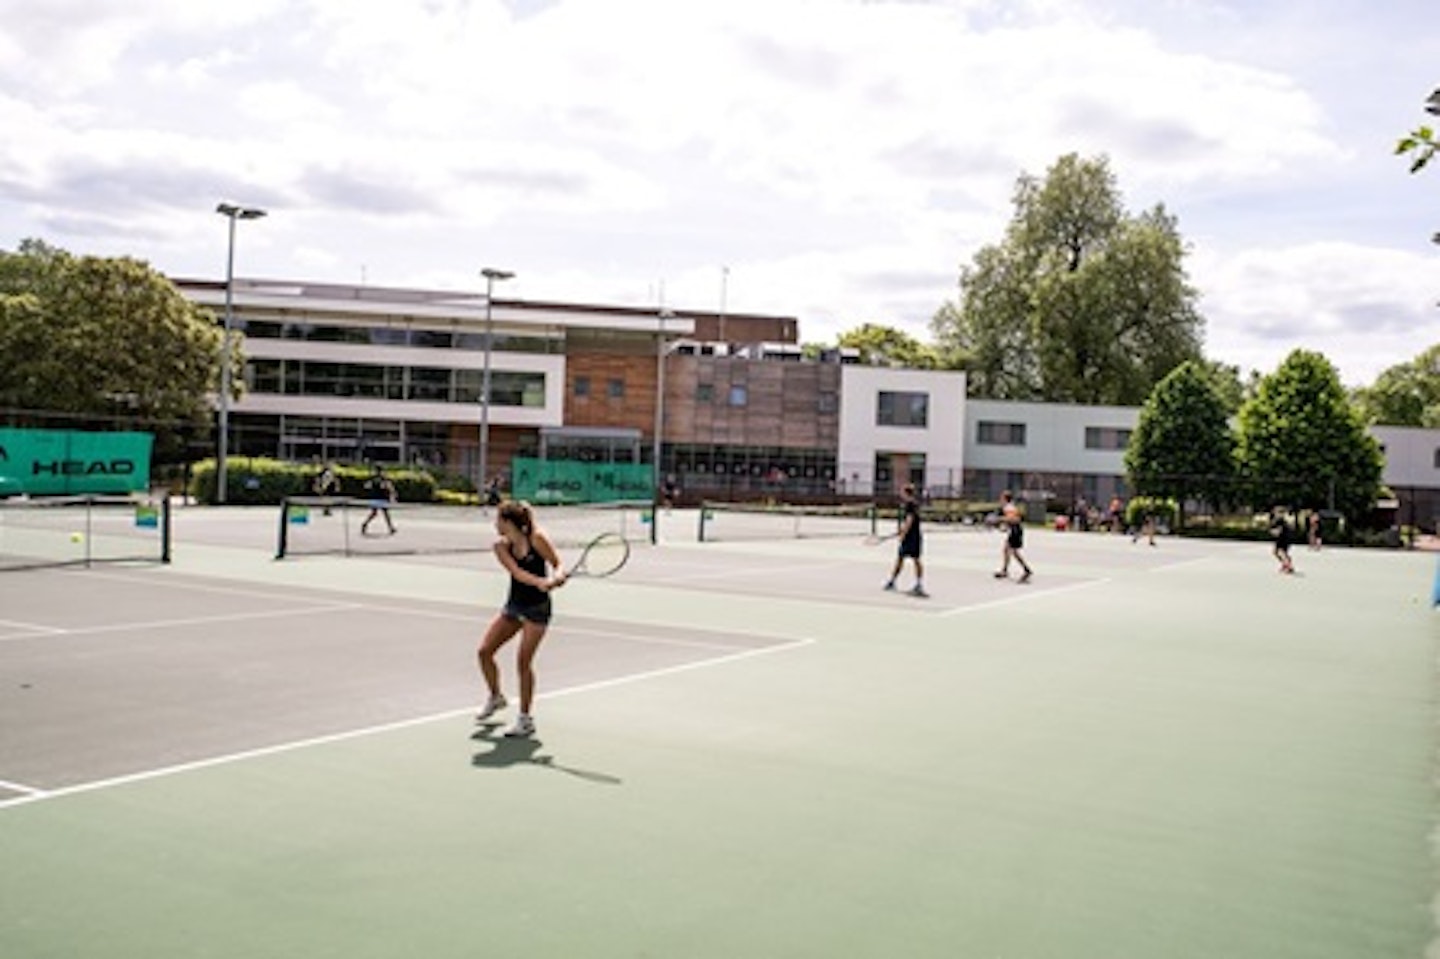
(492, 276)
(659, 421)
(232, 212)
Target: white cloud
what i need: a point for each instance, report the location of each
(842, 157)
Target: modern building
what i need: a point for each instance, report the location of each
(901, 426)
(1412, 472)
(1049, 451)
(360, 373)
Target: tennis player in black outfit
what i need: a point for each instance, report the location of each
(911, 542)
(535, 569)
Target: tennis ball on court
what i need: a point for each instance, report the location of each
(77, 537)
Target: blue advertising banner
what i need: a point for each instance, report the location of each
(57, 462)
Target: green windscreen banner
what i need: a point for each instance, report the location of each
(49, 462)
(567, 482)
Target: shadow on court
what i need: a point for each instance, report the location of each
(506, 752)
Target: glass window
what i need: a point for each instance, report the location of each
(902, 409)
(1000, 434)
(739, 396)
(1106, 438)
(430, 385)
(828, 403)
(615, 389)
(263, 376)
(705, 393)
(266, 329)
(582, 386)
(434, 339)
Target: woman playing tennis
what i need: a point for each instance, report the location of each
(527, 554)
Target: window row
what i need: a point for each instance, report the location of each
(442, 339)
(418, 383)
(989, 433)
(736, 394)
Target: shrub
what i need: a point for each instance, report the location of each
(258, 481)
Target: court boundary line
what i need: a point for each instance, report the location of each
(34, 628)
(189, 621)
(1037, 594)
(366, 731)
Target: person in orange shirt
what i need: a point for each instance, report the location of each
(1014, 539)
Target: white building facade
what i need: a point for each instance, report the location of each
(1047, 450)
(900, 426)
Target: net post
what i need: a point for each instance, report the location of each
(89, 525)
(874, 520)
(165, 528)
(282, 540)
(700, 529)
(655, 517)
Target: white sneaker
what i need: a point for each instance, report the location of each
(524, 726)
(492, 705)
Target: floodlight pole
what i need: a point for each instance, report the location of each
(492, 276)
(659, 421)
(231, 212)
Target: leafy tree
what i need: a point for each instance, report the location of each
(103, 339)
(1407, 394)
(1182, 447)
(1232, 389)
(887, 346)
(1080, 303)
(1302, 443)
(1420, 144)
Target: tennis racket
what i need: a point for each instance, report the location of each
(873, 540)
(603, 556)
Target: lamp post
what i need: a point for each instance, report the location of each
(491, 275)
(659, 421)
(232, 212)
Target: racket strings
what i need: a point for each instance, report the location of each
(605, 554)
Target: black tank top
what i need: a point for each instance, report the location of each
(523, 594)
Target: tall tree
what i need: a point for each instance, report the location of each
(887, 346)
(1302, 443)
(1081, 302)
(1183, 447)
(100, 338)
(1232, 390)
(1406, 394)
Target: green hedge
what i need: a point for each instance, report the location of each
(257, 481)
(1164, 510)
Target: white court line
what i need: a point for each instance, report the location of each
(1180, 564)
(747, 571)
(204, 587)
(281, 748)
(34, 628)
(1028, 595)
(192, 621)
(654, 640)
(20, 788)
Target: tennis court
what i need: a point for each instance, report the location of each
(744, 748)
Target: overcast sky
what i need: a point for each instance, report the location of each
(834, 160)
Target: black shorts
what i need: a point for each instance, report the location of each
(910, 546)
(539, 613)
(1015, 538)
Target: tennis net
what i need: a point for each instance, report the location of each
(315, 525)
(37, 532)
(726, 522)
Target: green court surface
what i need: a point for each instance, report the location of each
(744, 749)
